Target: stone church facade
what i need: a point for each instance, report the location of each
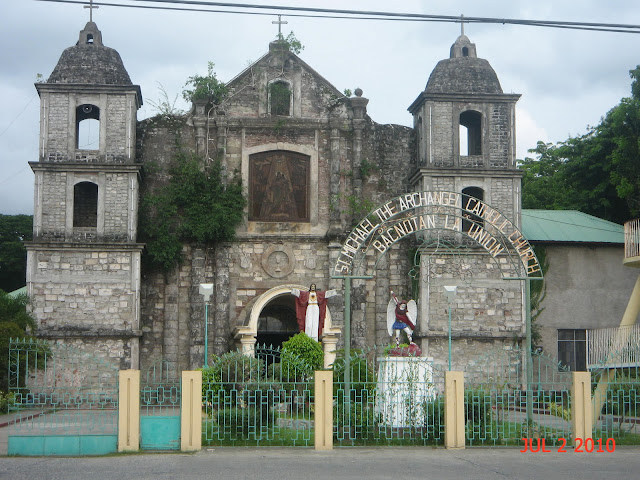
(312, 162)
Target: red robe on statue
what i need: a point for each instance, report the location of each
(301, 309)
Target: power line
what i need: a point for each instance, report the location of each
(18, 115)
(313, 12)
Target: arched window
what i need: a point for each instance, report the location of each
(85, 205)
(470, 197)
(87, 127)
(465, 51)
(89, 38)
(279, 186)
(280, 98)
(470, 133)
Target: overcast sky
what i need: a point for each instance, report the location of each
(568, 79)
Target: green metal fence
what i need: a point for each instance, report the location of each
(502, 408)
(66, 400)
(388, 401)
(616, 399)
(262, 400)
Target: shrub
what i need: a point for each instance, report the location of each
(238, 422)
(363, 376)
(6, 400)
(234, 369)
(301, 353)
(210, 384)
(477, 407)
(357, 420)
(205, 88)
(433, 414)
(559, 411)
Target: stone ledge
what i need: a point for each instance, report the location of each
(471, 335)
(98, 334)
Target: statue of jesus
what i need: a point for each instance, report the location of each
(311, 309)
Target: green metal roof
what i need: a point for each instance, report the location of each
(20, 291)
(569, 226)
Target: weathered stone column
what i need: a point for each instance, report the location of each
(335, 182)
(221, 315)
(200, 124)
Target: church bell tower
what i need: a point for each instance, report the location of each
(83, 266)
(465, 136)
(465, 130)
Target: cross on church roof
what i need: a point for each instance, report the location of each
(280, 22)
(461, 24)
(91, 6)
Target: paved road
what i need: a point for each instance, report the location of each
(344, 463)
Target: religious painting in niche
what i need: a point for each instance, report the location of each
(279, 186)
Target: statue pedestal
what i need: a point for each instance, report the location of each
(405, 385)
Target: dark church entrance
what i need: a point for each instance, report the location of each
(277, 322)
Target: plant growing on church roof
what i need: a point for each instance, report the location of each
(205, 87)
(194, 206)
(293, 43)
(164, 105)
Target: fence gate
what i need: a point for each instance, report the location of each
(160, 396)
(66, 400)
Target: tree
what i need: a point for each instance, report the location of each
(622, 124)
(14, 231)
(543, 182)
(597, 173)
(15, 322)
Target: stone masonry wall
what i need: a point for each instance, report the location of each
(485, 306)
(499, 136)
(116, 208)
(116, 131)
(502, 195)
(87, 291)
(54, 189)
(57, 123)
(442, 134)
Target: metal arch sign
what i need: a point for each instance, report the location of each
(414, 212)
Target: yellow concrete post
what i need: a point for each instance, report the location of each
(129, 411)
(581, 416)
(323, 417)
(191, 411)
(454, 434)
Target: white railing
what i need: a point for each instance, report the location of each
(613, 347)
(632, 238)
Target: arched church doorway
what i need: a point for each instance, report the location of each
(277, 322)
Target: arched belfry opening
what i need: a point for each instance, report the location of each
(88, 127)
(277, 321)
(470, 133)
